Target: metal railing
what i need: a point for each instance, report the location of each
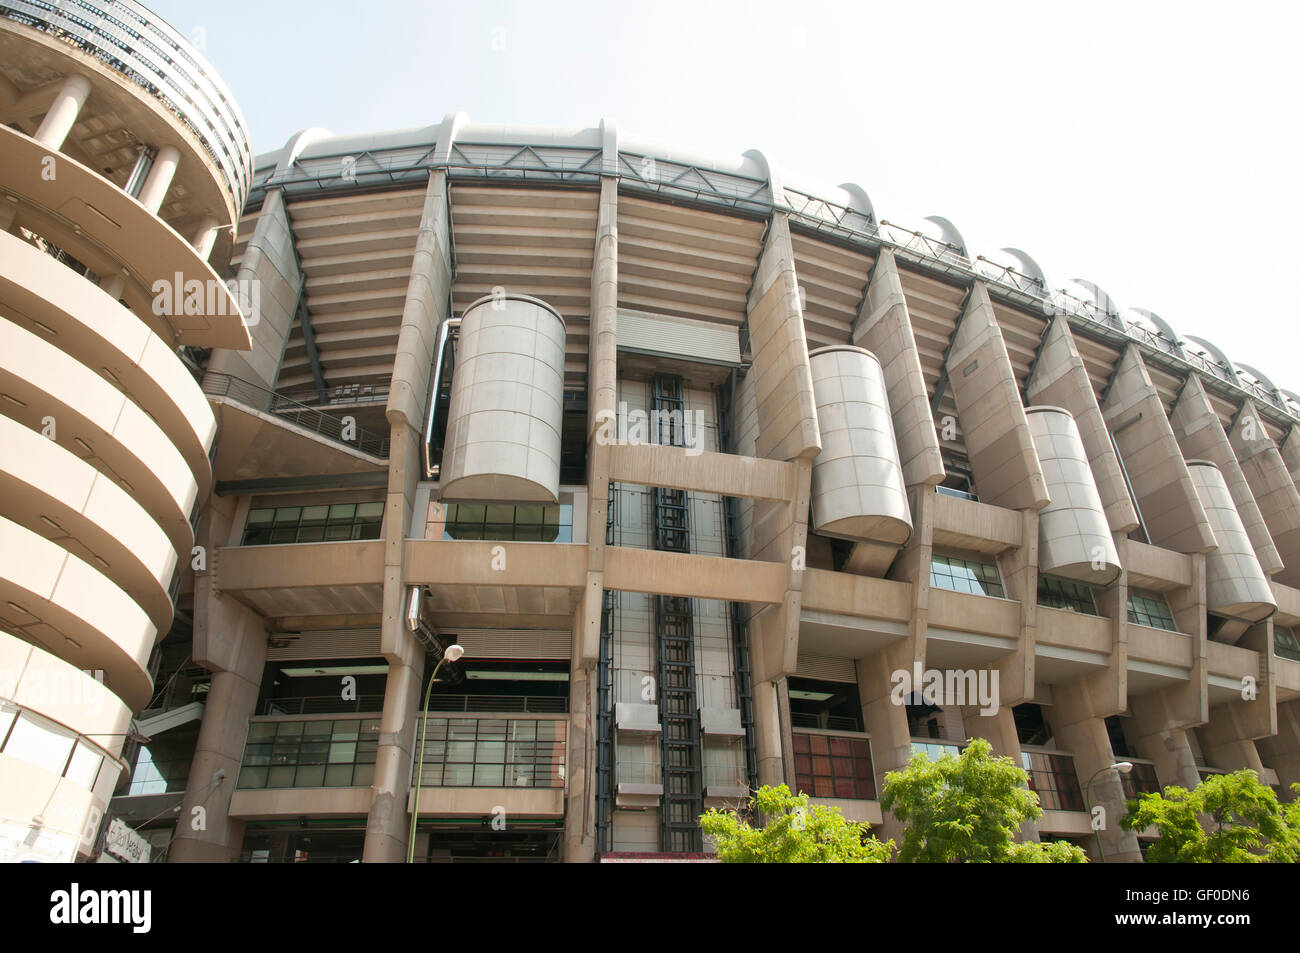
(800, 719)
(533, 704)
(135, 42)
(295, 412)
(321, 705)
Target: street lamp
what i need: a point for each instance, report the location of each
(1123, 767)
(450, 654)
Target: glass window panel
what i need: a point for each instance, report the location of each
(313, 752)
(342, 751)
(252, 777)
(338, 531)
(345, 730)
(316, 729)
(280, 777)
(257, 754)
(285, 534)
(500, 513)
(315, 513)
(458, 775)
(338, 776)
(84, 767)
(287, 514)
(261, 730)
(470, 512)
(460, 751)
(311, 776)
(261, 517)
(370, 511)
(311, 534)
(491, 752)
(39, 744)
(367, 531)
(342, 512)
(364, 774)
(489, 775)
(529, 514)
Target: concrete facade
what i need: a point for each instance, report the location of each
(226, 535)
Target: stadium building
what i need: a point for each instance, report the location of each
(716, 477)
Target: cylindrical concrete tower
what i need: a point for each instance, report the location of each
(1074, 538)
(104, 433)
(1235, 584)
(857, 481)
(507, 401)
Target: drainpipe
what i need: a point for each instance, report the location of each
(444, 336)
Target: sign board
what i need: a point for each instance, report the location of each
(125, 844)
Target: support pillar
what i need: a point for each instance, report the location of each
(159, 180)
(62, 115)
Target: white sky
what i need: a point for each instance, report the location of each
(1148, 147)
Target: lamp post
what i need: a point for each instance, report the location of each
(1123, 767)
(452, 653)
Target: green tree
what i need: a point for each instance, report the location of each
(1226, 819)
(968, 808)
(794, 833)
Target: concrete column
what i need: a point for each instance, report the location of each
(205, 236)
(268, 260)
(388, 822)
(885, 720)
(580, 773)
(1267, 472)
(205, 832)
(62, 115)
(768, 734)
(1135, 415)
(884, 328)
(999, 730)
(230, 641)
(1282, 750)
(1079, 726)
(1019, 568)
(1201, 437)
(160, 178)
(991, 416)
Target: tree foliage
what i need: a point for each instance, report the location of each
(1226, 819)
(794, 833)
(968, 808)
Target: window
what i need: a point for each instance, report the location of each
(1065, 594)
(965, 575)
(1141, 780)
(935, 752)
(332, 522)
(833, 766)
(310, 754)
(1285, 644)
(520, 522)
(1053, 778)
(494, 753)
(1150, 609)
(29, 737)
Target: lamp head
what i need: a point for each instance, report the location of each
(453, 652)
(1123, 767)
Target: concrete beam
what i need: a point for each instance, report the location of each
(1270, 481)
